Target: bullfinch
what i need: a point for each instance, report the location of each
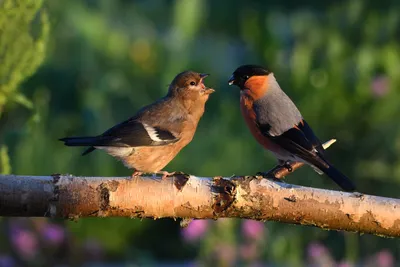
(148, 141)
(277, 124)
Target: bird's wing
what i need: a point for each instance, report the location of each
(299, 140)
(151, 126)
(135, 133)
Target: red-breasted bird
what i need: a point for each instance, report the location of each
(277, 124)
(148, 141)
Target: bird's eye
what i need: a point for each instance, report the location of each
(246, 77)
(192, 83)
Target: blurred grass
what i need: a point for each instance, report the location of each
(105, 59)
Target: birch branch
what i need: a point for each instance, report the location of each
(187, 196)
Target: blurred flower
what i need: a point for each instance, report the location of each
(25, 242)
(248, 251)
(53, 233)
(345, 264)
(253, 229)
(381, 259)
(193, 264)
(318, 255)
(384, 259)
(6, 261)
(380, 86)
(226, 254)
(195, 230)
(316, 249)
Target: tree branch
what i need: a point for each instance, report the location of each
(187, 196)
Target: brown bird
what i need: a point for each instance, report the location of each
(148, 141)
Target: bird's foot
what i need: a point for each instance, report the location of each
(165, 174)
(267, 174)
(357, 195)
(271, 174)
(288, 166)
(136, 174)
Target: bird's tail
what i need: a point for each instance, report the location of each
(339, 178)
(81, 141)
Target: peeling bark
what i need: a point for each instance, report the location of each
(196, 197)
(186, 196)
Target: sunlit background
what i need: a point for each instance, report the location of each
(78, 67)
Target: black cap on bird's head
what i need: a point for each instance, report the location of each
(244, 72)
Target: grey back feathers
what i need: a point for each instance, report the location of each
(276, 110)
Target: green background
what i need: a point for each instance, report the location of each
(79, 67)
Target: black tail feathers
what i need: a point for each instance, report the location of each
(79, 141)
(339, 178)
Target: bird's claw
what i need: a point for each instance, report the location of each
(136, 174)
(261, 173)
(288, 166)
(357, 195)
(165, 174)
(264, 174)
(269, 175)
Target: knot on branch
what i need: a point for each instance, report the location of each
(225, 191)
(104, 190)
(180, 180)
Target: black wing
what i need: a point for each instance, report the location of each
(300, 141)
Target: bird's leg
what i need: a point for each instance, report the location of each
(165, 174)
(286, 164)
(136, 173)
(270, 174)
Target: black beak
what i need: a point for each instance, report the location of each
(231, 80)
(203, 75)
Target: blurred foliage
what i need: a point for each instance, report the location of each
(5, 160)
(24, 33)
(338, 60)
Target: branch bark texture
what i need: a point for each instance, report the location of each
(187, 196)
(184, 196)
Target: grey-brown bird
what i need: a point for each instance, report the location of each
(148, 141)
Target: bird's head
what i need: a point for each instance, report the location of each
(245, 73)
(189, 85)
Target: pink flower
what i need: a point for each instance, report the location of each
(25, 242)
(53, 233)
(195, 230)
(345, 264)
(253, 229)
(315, 250)
(318, 255)
(380, 86)
(385, 259)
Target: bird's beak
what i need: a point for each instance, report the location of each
(206, 90)
(203, 75)
(209, 91)
(231, 80)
